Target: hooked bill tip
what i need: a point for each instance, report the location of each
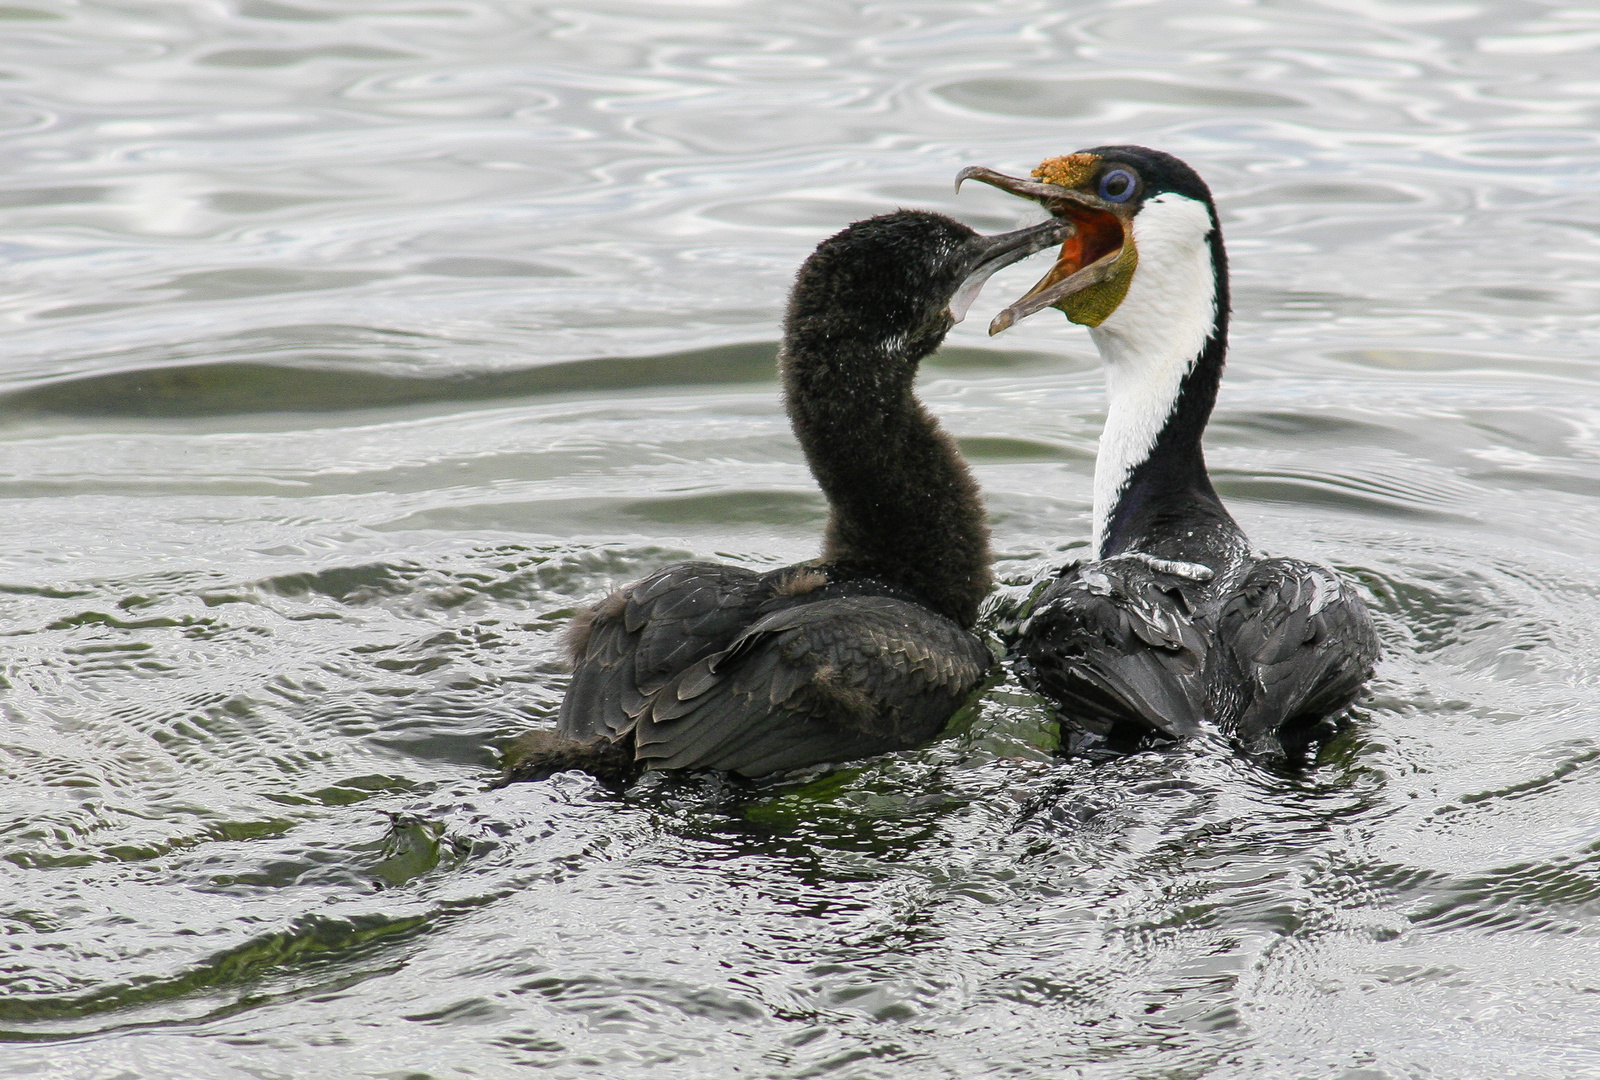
(968, 173)
(1003, 321)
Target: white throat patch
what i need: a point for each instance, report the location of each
(1152, 340)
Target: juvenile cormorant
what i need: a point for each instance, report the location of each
(1175, 621)
(866, 649)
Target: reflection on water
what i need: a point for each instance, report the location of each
(351, 347)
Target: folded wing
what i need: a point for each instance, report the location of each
(707, 669)
(1293, 641)
(823, 681)
(637, 639)
(1116, 644)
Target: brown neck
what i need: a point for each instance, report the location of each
(904, 507)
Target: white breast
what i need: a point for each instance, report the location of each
(1152, 340)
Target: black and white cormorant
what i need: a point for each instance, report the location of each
(868, 648)
(1175, 621)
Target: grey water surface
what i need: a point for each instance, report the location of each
(348, 347)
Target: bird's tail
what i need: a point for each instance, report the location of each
(539, 755)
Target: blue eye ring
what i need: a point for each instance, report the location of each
(1122, 180)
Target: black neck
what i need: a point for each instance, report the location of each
(903, 505)
(1168, 506)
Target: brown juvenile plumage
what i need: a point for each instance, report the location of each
(869, 647)
(804, 580)
(575, 639)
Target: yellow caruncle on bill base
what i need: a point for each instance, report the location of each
(1068, 171)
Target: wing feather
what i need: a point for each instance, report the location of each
(1298, 641)
(1116, 646)
(823, 681)
(1125, 642)
(643, 635)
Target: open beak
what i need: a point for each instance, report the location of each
(990, 253)
(1089, 254)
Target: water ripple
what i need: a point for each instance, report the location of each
(351, 349)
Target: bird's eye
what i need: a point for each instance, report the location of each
(1117, 185)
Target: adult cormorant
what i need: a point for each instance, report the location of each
(867, 648)
(1175, 621)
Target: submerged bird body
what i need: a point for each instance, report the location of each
(1176, 621)
(864, 650)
